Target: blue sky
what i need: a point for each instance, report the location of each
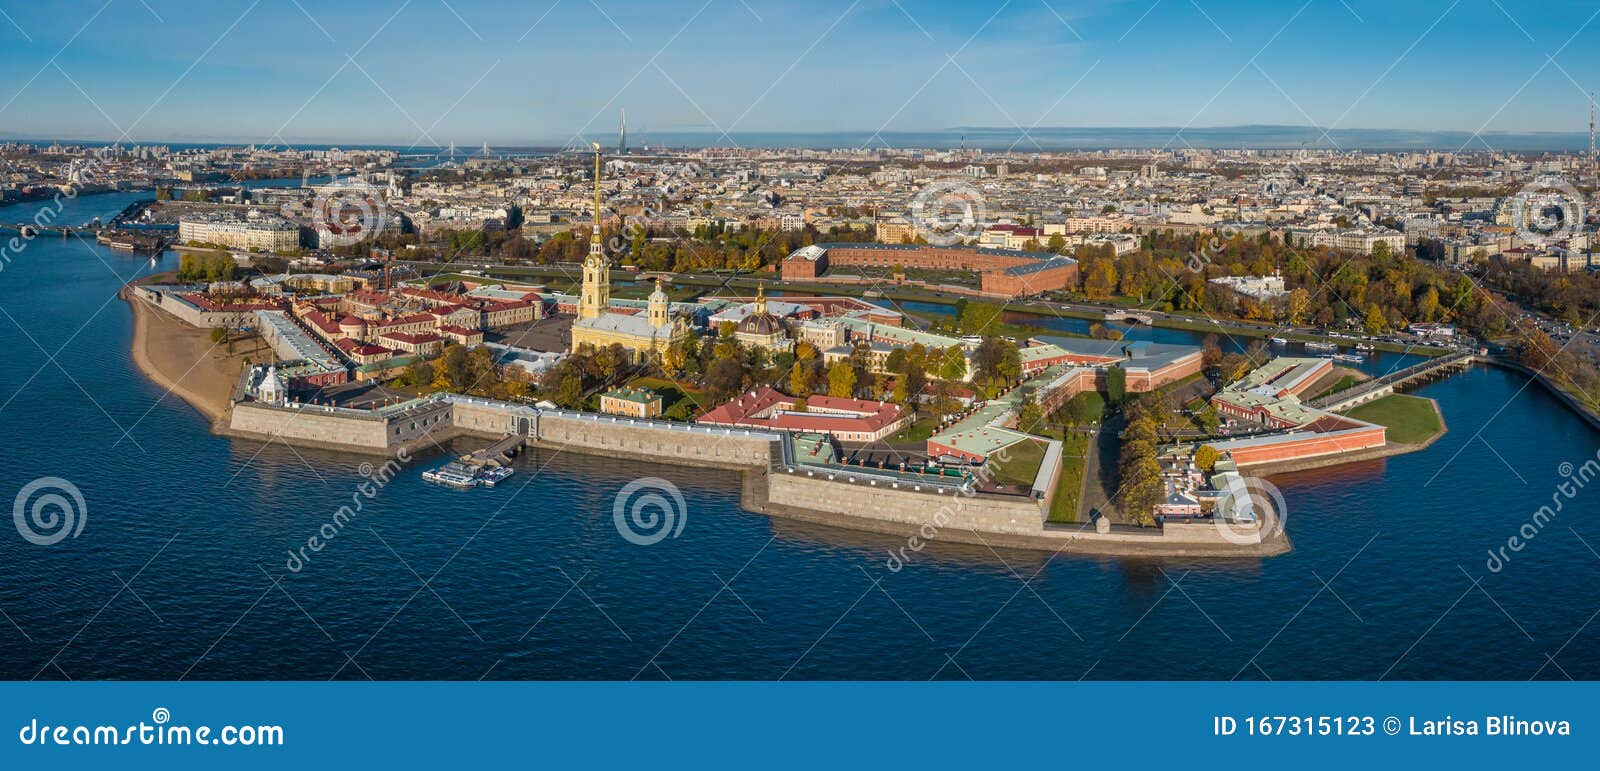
(432, 72)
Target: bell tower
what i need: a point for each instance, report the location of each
(596, 295)
(657, 311)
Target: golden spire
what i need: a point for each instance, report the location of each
(761, 298)
(596, 191)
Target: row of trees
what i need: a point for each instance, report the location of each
(463, 371)
(1379, 292)
(1141, 487)
(206, 266)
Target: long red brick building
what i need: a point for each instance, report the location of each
(1270, 396)
(1004, 272)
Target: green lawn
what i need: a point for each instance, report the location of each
(1085, 408)
(1345, 382)
(1020, 466)
(1410, 419)
(919, 431)
(1064, 506)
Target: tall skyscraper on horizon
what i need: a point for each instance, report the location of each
(622, 132)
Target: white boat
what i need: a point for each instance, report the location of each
(1322, 347)
(1366, 347)
(1279, 341)
(452, 475)
(1347, 357)
(491, 475)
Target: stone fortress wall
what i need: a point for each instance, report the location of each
(848, 498)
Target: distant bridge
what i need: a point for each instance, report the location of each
(32, 230)
(1142, 318)
(1422, 372)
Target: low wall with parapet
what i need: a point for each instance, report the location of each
(834, 497)
(656, 441)
(986, 520)
(343, 429)
(882, 500)
(191, 314)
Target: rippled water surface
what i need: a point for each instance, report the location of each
(173, 574)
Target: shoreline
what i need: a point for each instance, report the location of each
(180, 359)
(164, 364)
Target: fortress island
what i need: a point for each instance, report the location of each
(975, 428)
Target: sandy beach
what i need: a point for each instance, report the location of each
(182, 359)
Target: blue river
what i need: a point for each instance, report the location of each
(179, 570)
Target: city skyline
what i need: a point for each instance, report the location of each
(426, 74)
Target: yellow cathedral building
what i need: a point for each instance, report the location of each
(598, 326)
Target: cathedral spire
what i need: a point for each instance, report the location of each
(596, 295)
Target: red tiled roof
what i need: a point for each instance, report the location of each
(358, 348)
(206, 303)
(414, 338)
(832, 413)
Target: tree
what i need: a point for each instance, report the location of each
(1030, 419)
(1296, 307)
(953, 366)
(800, 378)
(569, 388)
(1210, 352)
(841, 379)
(725, 378)
(896, 362)
(1116, 384)
(1205, 457)
(1376, 320)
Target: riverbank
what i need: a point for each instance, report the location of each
(183, 361)
(1584, 411)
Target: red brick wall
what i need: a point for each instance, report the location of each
(1310, 446)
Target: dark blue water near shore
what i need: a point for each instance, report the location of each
(532, 580)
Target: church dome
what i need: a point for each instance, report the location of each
(761, 324)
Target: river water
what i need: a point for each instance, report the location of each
(180, 569)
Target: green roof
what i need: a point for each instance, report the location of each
(640, 395)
